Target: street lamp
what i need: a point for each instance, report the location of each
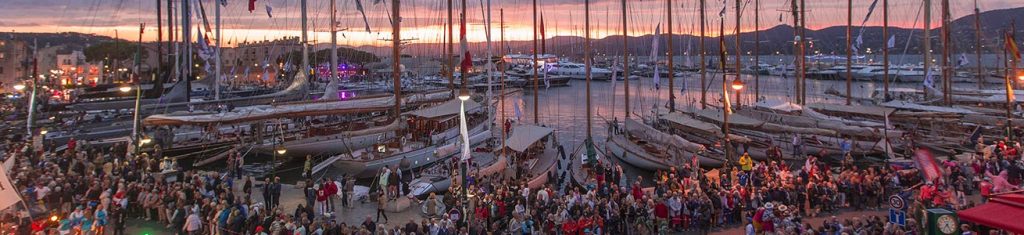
(463, 97)
(125, 88)
(43, 132)
(19, 87)
(737, 85)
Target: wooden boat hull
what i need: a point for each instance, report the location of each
(416, 158)
(630, 153)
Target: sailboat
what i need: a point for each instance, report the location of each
(648, 148)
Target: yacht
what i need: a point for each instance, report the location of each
(578, 71)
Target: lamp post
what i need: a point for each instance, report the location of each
(464, 161)
(136, 141)
(737, 85)
(1009, 104)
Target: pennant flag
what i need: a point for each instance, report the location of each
(1011, 47)
(962, 61)
(780, 17)
(860, 39)
(724, 5)
(870, 10)
(269, 9)
(359, 7)
(542, 34)
(892, 42)
(925, 162)
(202, 14)
(252, 5)
(246, 72)
(8, 192)
(224, 2)
(615, 76)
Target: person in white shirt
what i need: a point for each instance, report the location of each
(193, 224)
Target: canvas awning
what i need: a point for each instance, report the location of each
(1001, 212)
(898, 104)
(448, 108)
(686, 121)
(865, 110)
(779, 105)
(734, 119)
(525, 135)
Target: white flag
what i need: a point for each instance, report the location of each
(657, 78)
(464, 132)
(547, 83)
(269, 9)
(928, 80)
(8, 193)
(615, 75)
(962, 61)
(892, 42)
(654, 45)
(860, 39)
(515, 107)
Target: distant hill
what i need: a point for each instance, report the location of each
(73, 39)
(778, 38)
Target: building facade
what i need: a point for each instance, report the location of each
(15, 65)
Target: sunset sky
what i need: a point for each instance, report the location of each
(422, 19)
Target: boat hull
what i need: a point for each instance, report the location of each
(417, 158)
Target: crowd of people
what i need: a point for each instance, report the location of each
(94, 189)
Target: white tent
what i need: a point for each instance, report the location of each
(525, 135)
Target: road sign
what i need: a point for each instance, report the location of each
(897, 202)
(898, 217)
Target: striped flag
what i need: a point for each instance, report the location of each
(925, 162)
(467, 59)
(1011, 46)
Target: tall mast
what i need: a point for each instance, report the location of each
(803, 52)
(396, 47)
(946, 46)
(331, 93)
(303, 72)
(536, 117)
(587, 59)
(795, 10)
(885, 50)
(451, 50)
(159, 49)
(703, 59)
(671, 65)
(186, 47)
(501, 18)
(757, 50)
(927, 37)
(216, 76)
(462, 41)
(739, 50)
(977, 45)
(849, 50)
(625, 58)
(725, 89)
(490, 55)
(170, 45)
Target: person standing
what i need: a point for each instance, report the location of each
(382, 201)
(193, 224)
(350, 183)
(331, 189)
(267, 195)
(275, 192)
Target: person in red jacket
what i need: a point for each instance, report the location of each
(986, 189)
(321, 200)
(331, 189)
(661, 212)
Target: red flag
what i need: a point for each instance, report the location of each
(1011, 46)
(467, 59)
(252, 5)
(926, 164)
(542, 26)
